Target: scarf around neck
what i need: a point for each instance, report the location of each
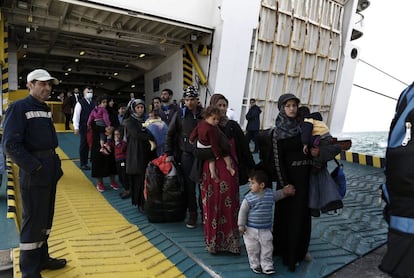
(285, 127)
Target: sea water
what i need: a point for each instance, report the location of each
(370, 143)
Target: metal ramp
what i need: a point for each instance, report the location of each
(104, 236)
(96, 240)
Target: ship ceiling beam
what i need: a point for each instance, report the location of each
(203, 29)
(48, 32)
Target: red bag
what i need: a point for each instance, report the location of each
(89, 137)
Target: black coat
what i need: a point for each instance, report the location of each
(179, 130)
(253, 118)
(244, 157)
(292, 218)
(139, 150)
(113, 116)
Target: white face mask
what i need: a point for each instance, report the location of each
(89, 95)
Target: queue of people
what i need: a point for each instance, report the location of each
(184, 137)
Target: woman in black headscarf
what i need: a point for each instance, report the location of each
(286, 163)
(138, 152)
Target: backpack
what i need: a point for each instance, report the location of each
(164, 192)
(398, 191)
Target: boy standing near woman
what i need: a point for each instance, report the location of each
(255, 221)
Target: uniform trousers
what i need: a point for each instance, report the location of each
(38, 194)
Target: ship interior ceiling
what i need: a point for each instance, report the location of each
(83, 44)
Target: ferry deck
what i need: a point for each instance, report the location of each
(102, 235)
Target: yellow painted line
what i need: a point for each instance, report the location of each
(348, 156)
(96, 240)
(362, 159)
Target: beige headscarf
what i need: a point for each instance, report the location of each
(213, 101)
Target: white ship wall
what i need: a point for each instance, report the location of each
(298, 50)
(196, 12)
(170, 74)
(297, 46)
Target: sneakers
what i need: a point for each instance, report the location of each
(269, 271)
(100, 187)
(114, 185)
(85, 167)
(192, 220)
(257, 270)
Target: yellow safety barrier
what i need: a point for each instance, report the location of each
(363, 159)
(14, 209)
(196, 65)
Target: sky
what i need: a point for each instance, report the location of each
(387, 44)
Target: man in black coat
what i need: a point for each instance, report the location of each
(253, 123)
(178, 145)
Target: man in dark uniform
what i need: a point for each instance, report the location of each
(29, 139)
(178, 145)
(80, 119)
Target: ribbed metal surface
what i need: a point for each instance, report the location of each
(102, 242)
(96, 240)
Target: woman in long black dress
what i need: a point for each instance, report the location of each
(138, 152)
(285, 161)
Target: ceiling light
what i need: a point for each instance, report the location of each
(82, 52)
(66, 73)
(27, 29)
(116, 74)
(76, 60)
(25, 45)
(142, 55)
(133, 86)
(69, 69)
(22, 5)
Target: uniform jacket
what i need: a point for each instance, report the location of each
(29, 128)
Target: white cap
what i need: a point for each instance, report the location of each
(41, 75)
